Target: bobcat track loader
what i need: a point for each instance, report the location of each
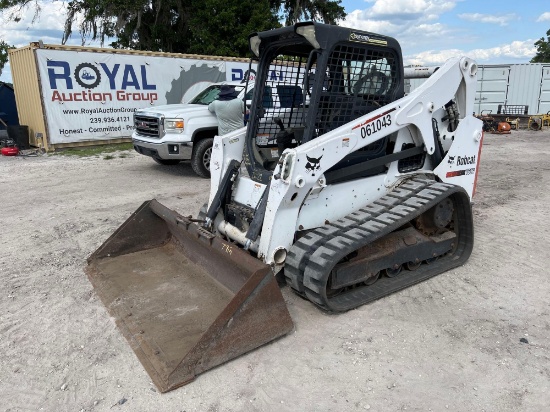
(353, 192)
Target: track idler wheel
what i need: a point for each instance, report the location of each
(435, 219)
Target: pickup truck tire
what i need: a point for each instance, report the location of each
(200, 159)
(166, 162)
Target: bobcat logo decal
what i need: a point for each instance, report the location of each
(313, 164)
(451, 160)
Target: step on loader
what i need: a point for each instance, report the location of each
(352, 192)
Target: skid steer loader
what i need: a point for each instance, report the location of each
(353, 192)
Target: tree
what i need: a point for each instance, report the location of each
(4, 54)
(155, 25)
(221, 27)
(326, 11)
(543, 50)
(216, 27)
(212, 27)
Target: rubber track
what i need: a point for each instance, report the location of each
(312, 258)
(300, 252)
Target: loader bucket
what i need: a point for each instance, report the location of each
(185, 299)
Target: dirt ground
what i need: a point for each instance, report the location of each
(476, 338)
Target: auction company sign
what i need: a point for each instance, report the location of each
(92, 96)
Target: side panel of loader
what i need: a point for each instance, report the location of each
(185, 300)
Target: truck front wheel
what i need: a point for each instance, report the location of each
(200, 159)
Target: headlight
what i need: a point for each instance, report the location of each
(173, 124)
(255, 45)
(308, 31)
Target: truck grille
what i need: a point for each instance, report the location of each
(147, 126)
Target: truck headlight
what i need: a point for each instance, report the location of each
(173, 124)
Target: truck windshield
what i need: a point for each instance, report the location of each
(210, 94)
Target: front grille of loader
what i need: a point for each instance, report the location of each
(147, 126)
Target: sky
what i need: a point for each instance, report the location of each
(429, 31)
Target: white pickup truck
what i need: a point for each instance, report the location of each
(176, 132)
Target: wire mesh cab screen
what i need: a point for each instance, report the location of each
(277, 106)
(354, 79)
(282, 97)
(358, 81)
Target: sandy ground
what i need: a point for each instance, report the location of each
(451, 343)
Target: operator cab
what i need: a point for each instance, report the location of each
(327, 76)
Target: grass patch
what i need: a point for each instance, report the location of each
(108, 157)
(94, 150)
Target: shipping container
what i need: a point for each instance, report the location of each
(26, 85)
(510, 84)
(544, 99)
(76, 96)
